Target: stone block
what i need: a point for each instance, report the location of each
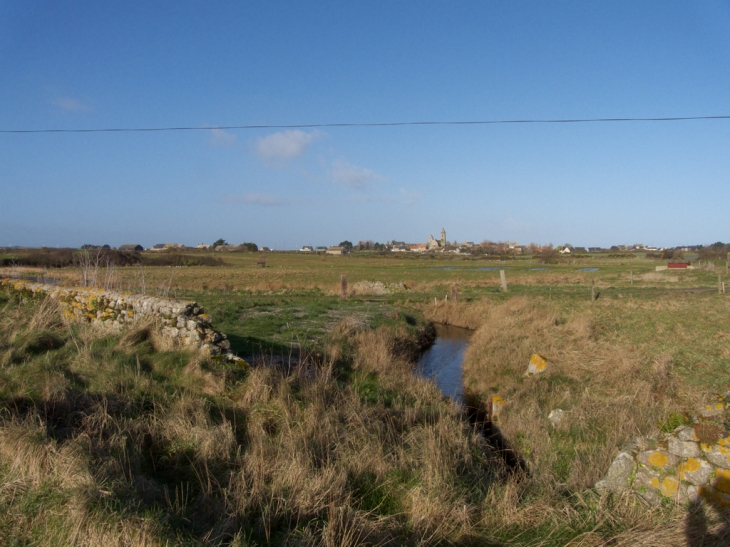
(644, 477)
(695, 471)
(686, 433)
(683, 449)
(657, 459)
(618, 475)
(537, 365)
(712, 410)
(718, 454)
(721, 481)
(668, 486)
(688, 493)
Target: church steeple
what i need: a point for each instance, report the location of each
(443, 237)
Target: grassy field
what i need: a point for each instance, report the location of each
(126, 440)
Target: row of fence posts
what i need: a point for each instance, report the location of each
(503, 278)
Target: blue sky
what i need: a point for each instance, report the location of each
(155, 64)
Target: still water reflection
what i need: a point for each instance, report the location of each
(442, 361)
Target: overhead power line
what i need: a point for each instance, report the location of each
(358, 124)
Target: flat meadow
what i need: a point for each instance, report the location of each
(329, 438)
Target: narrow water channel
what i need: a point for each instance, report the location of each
(443, 360)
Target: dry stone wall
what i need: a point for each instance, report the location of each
(691, 464)
(182, 320)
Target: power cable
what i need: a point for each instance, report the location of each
(378, 124)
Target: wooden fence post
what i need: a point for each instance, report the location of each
(503, 278)
(719, 284)
(593, 290)
(631, 278)
(343, 287)
(453, 292)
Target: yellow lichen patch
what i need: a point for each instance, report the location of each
(722, 480)
(497, 404)
(658, 459)
(690, 466)
(724, 442)
(538, 361)
(716, 406)
(668, 487)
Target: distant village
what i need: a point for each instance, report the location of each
(432, 245)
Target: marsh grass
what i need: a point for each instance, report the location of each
(618, 367)
(113, 440)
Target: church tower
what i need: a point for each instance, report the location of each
(443, 238)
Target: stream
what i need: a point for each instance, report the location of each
(442, 361)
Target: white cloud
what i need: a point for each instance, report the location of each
(259, 198)
(220, 137)
(285, 144)
(352, 176)
(72, 105)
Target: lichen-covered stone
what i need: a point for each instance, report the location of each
(657, 459)
(644, 477)
(695, 471)
(712, 410)
(683, 449)
(719, 453)
(721, 481)
(667, 486)
(182, 320)
(537, 365)
(496, 405)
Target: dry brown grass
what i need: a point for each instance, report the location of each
(161, 447)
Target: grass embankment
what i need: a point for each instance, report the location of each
(100, 447)
(630, 364)
(123, 440)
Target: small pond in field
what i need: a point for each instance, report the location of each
(442, 361)
(37, 279)
(588, 270)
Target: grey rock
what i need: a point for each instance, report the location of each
(657, 458)
(698, 476)
(618, 475)
(556, 416)
(685, 433)
(718, 455)
(683, 449)
(643, 478)
(650, 497)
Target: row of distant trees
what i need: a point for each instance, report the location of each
(246, 245)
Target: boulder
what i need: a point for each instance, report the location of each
(537, 365)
